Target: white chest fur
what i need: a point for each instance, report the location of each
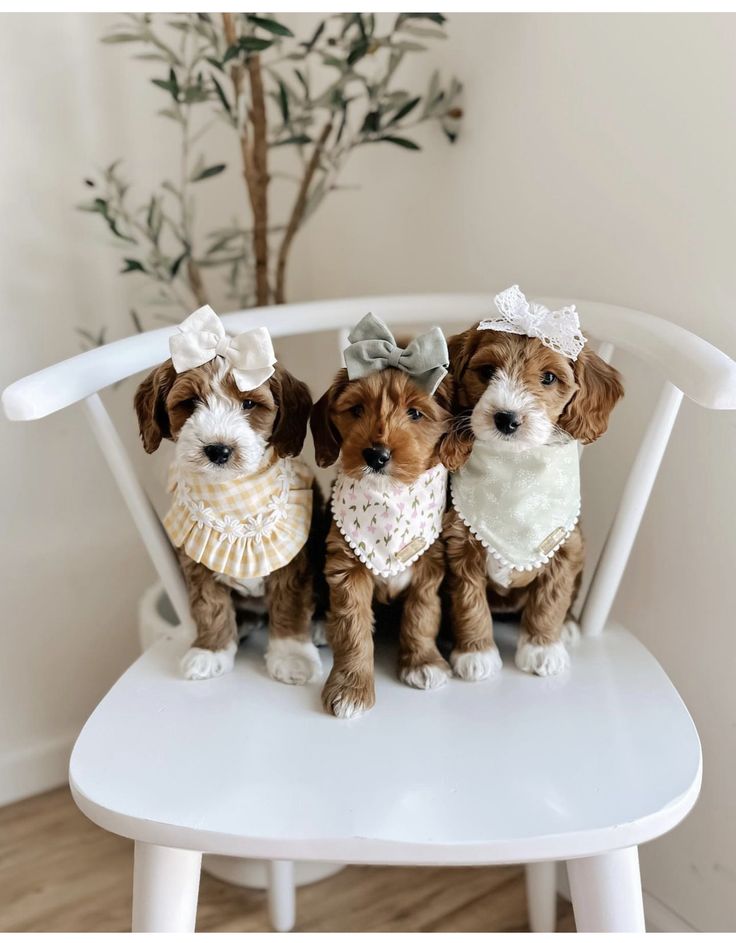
(389, 587)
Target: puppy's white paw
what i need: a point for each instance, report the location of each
(476, 666)
(344, 707)
(319, 632)
(542, 660)
(199, 664)
(292, 660)
(425, 677)
(570, 633)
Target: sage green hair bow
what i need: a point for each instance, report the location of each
(373, 348)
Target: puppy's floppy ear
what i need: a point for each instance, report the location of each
(585, 417)
(150, 406)
(294, 403)
(327, 439)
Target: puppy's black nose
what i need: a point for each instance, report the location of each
(506, 422)
(376, 456)
(218, 453)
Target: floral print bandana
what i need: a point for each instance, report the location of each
(522, 506)
(387, 524)
(247, 527)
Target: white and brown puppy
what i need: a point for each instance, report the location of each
(527, 391)
(384, 419)
(245, 510)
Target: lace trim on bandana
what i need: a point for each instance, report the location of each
(250, 527)
(425, 540)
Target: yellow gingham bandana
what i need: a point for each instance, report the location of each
(247, 527)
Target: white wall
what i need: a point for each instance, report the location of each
(596, 161)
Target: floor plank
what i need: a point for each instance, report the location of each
(59, 872)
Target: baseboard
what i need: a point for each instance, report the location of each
(30, 770)
(658, 916)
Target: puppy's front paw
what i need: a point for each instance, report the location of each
(426, 676)
(199, 664)
(347, 698)
(292, 661)
(476, 666)
(542, 660)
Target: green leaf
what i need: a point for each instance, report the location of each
(215, 63)
(404, 110)
(209, 172)
(121, 38)
(271, 26)
(432, 17)
(254, 43)
(132, 265)
(294, 139)
(450, 135)
(401, 142)
(315, 36)
(371, 123)
(357, 52)
(171, 87)
(230, 53)
(177, 262)
(284, 102)
(222, 96)
(300, 75)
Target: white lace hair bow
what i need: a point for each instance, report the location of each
(202, 337)
(558, 330)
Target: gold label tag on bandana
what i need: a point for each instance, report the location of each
(411, 549)
(551, 540)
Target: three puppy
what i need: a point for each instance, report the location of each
(502, 410)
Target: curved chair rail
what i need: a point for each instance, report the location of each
(701, 371)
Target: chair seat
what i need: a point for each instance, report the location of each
(514, 769)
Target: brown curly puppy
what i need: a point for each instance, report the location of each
(515, 393)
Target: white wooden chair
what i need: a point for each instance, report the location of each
(580, 768)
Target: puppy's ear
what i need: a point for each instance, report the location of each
(585, 417)
(455, 445)
(150, 406)
(294, 403)
(327, 439)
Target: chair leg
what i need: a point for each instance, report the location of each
(165, 889)
(541, 896)
(606, 892)
(281, 895)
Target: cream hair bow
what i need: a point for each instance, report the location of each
(202, 337)
(558, 330)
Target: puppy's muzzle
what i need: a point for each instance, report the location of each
(376, 457)
(218, 453)
(506, 423)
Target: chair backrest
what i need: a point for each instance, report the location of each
(687, 365)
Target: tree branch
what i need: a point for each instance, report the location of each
(260, 178)
(196, 282)
(297, 213)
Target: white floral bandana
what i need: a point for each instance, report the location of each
(247, 527)
(388, 525)
(522, 506)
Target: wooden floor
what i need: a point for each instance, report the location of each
(58, 872)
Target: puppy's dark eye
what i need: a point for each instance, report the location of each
(189, 404)
(486, 372)
(414, 414)
(356, 411)
(548, 378)
(249, 403)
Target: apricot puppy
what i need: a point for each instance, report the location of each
(384, 417)
(244, 511)
(527, 391)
